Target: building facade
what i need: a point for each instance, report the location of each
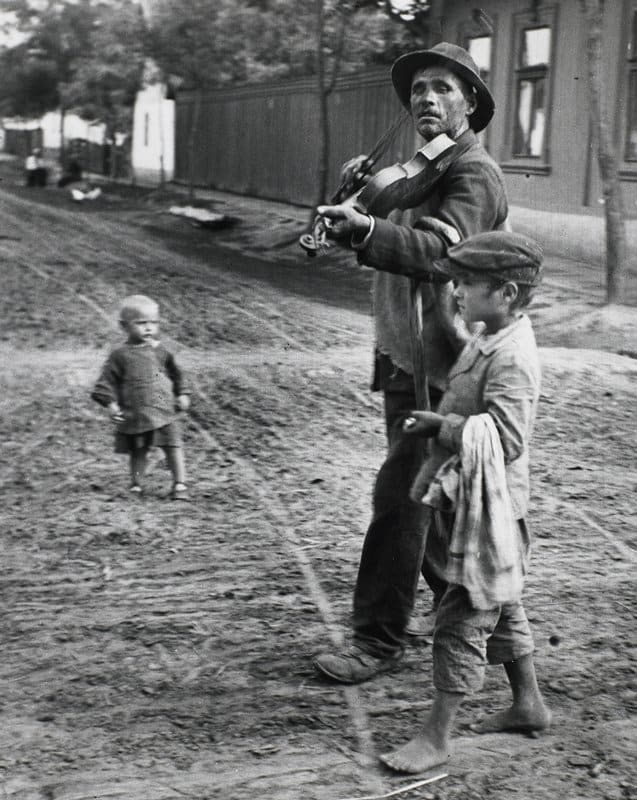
(534, 58)
(264, 140)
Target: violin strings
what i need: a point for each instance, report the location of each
(376, 152)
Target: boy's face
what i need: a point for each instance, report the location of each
(479, 301)
(142, 326)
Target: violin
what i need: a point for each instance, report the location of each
(389, 189)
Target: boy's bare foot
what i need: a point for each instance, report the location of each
(528, 720)
(418, 755)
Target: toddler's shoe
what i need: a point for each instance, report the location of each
(180, 492)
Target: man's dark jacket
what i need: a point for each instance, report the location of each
(470, 196)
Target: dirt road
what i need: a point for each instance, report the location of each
(160, 650)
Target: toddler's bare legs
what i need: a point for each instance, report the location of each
(527, 712)
(138, 465)
(177, 464)
(431, 746)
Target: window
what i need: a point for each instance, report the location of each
(630, 153)
(146, 127)
(477, 39)
(479, 48)
(532, 92)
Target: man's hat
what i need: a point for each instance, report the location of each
(495, 255)
(457, 60)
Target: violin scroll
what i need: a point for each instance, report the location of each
(354, 175)
(316, 242)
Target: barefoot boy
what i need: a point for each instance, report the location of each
(476, 480)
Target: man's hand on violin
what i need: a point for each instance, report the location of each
(345, 222)
(355, 172)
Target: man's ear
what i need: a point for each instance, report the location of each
(472, 103)
(510, 291)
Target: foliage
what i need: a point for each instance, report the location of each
(105, 79)
(87, 56)
(413, 14)
(208, 45)
(53, 37)
(29, 86)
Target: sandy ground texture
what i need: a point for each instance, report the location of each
(153, 649)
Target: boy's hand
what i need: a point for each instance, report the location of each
(183, 402)
(423, 423)
(115, 412)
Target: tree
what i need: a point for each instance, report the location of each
(414, 14)
(593, 11)
(349, 35)
(30, 82)
(328, 61)
(105, 80)
(211, 45)
(35, 70)
(87, 56)
(182, 39)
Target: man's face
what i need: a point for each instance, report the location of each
(440, 103)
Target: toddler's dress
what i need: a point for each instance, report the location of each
(144, 380)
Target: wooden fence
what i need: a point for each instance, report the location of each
(263, 141)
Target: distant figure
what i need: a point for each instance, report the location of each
(36, 172)
(72, 174)
(143, 389)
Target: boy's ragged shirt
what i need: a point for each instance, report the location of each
(145, 380)
(500, 375)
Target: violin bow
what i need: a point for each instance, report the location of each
(354, 182)
(315, 241)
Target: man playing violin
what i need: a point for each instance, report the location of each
(458, 192)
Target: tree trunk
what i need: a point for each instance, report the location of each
(62, 158)
(162, 145)
(113, 165)
(324, 123)
(606, 156)
(192, 139)
(324, 89)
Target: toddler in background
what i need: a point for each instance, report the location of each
(143, 389)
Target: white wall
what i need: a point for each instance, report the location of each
(74, 128)
(153, 135)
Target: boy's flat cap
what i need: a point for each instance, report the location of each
(497, 255)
